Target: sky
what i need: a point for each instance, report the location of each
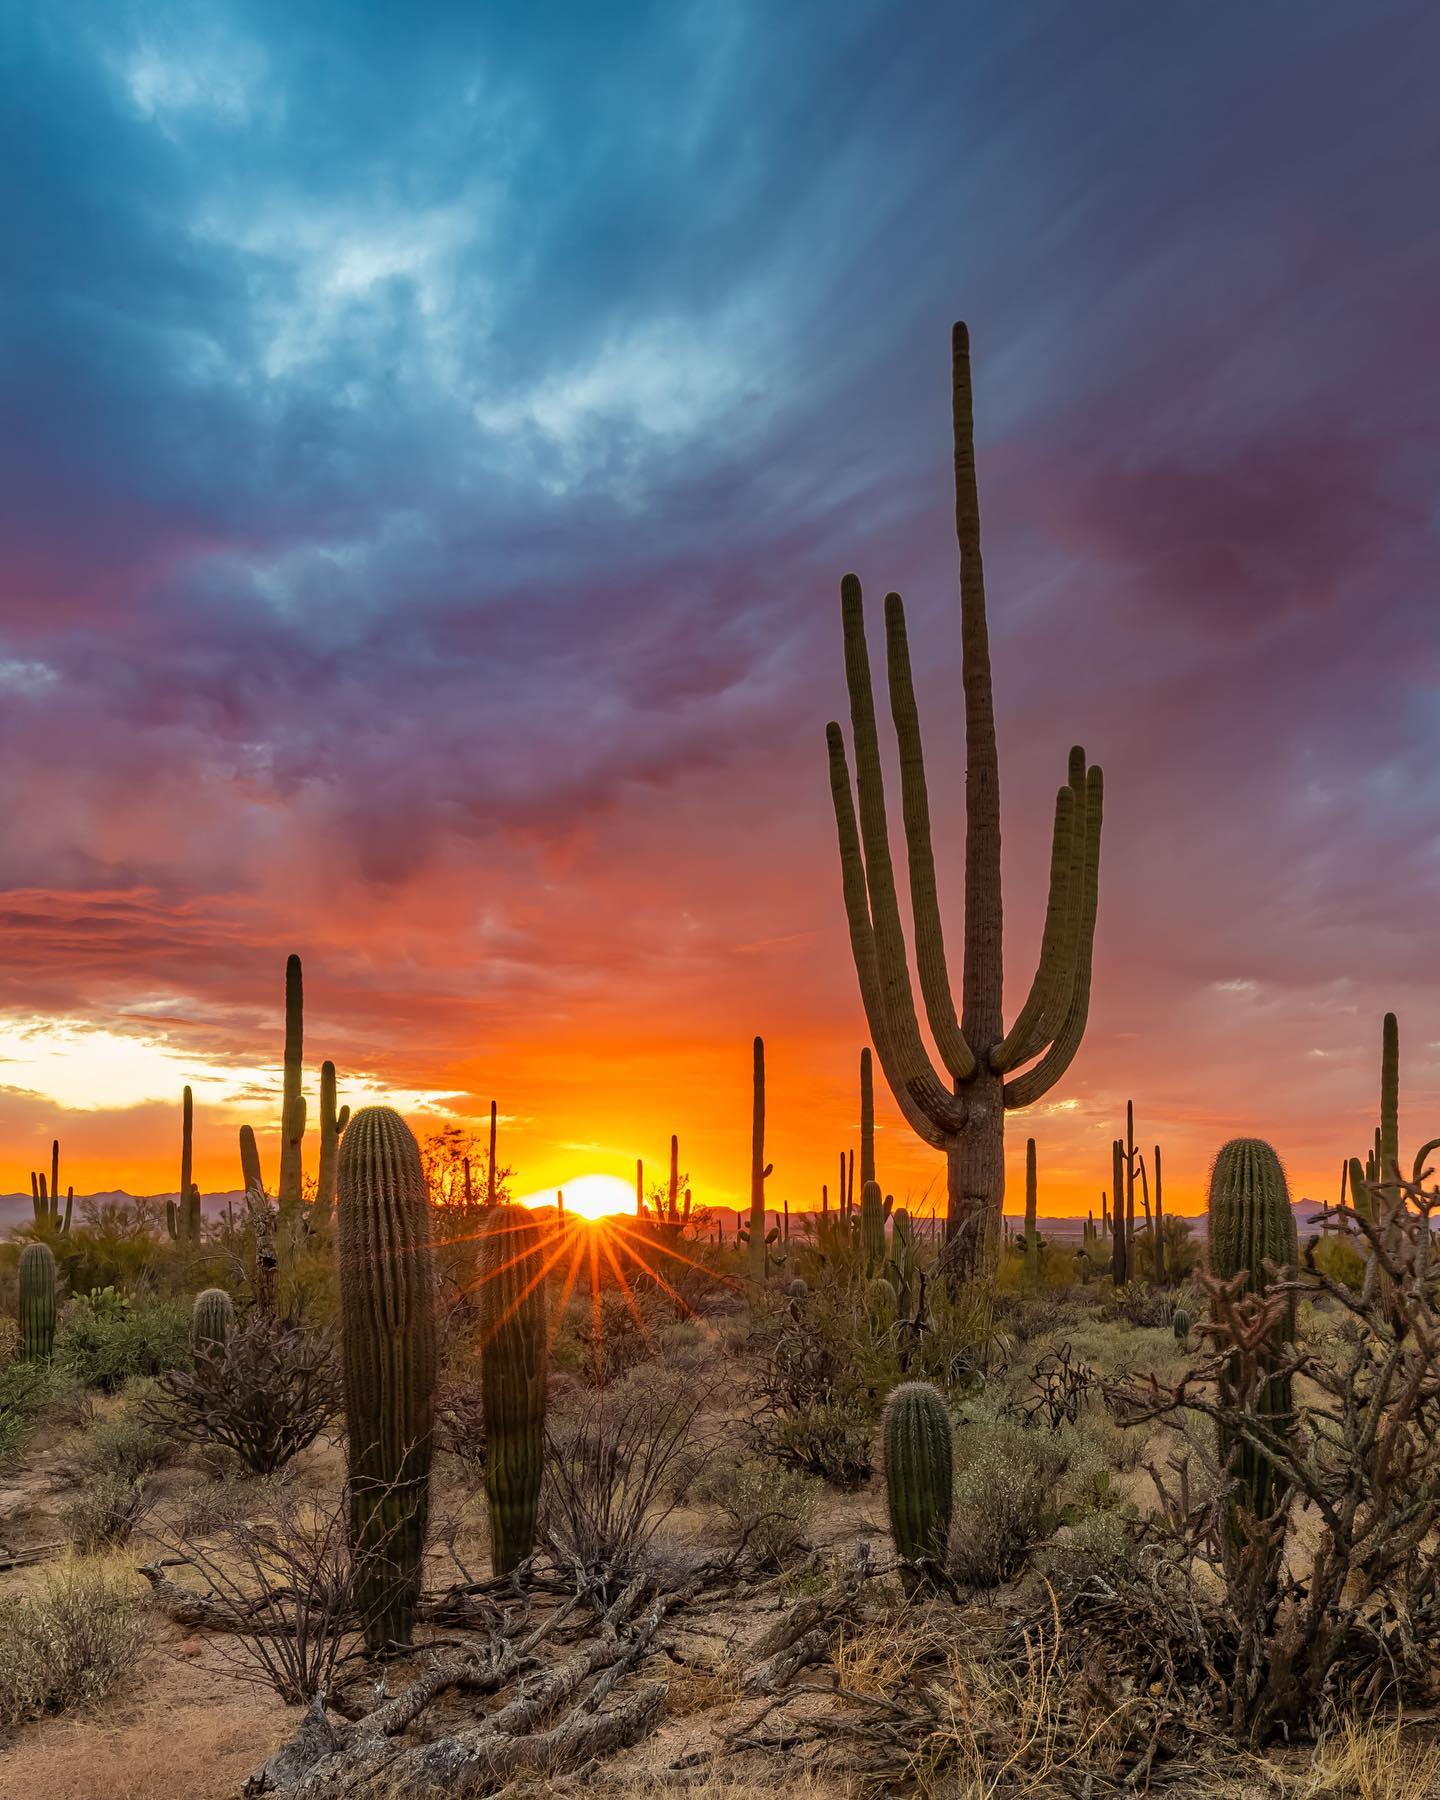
(431, 439)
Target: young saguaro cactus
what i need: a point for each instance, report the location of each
(1032, 1232)
(513, 1377)
(388, 1344)
(1250, 1224)
(962, 1109)
(332, 1123)
(292, 1112)
(212, 1318)
(867, 1119)
(919, 1459)
(872, 1227)
(37, 1303)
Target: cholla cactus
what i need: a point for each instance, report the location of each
(37, 1303)
(388, 1343)
(960, 1107)
(212, 1318)
(513, 1378)
(919, 1472)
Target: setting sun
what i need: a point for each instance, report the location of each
(588, 1196)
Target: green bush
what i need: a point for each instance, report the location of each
(105, 1512)
(1015, 1485)
(71, 1642)
(767, 1511)
(1341, 1261)
(127, 1444)
(26, 1389)
(104, 1345)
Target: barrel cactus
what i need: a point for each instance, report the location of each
(919, 1472)
(1181, 1324)
(212, 1318)
(513, 1378)
(388, 1345)
(37, 1303)
(1250, 1224)
(881, 1302)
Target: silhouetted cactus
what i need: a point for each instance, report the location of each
(872, 1227)
(1250, 1224)
(490, 1173)
(867, 1119)
(45, 1195)
(211, 1319)
(919, 1471)
(182, 1215)
(292, 1111)
(961, 1110)
(388, 1342)
(759, 1168)
(332, 1123)
(37, 1303)
(513, 1378)
(1032, 1230)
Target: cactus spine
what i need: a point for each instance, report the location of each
(513, 1377)
(211, 1319)
(1250, 1223)
(960, 1111)
(292, 1114)
(919, 1471)
(332, 1123)
(1032, 1232)
(388, 1342)
(759, 1168)
(37, 1303)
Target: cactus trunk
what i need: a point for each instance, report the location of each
(292, 1111)
(872, 1228)
(388, 1340)
(37, 1303)
(1032, 1233)
(919, 1460)
(212, 1318)
(1159, 1225)
(513, 1374)
(867, 1119)
(332, 1124)
(757, 1165)
(490, 1168)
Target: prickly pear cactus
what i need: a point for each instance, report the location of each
(212, 1319)
(919, 1471)
(387, 1314)
(513, 1377)
(1250, 1224)
(37, 1303)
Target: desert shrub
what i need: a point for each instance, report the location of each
(129, 1443)
(460, 1418)
(1338, 1259)
(601, 1340)
(69, 1643)
(26, 1389)
(105, 1512)
(767, 1511)
(9, 1340)
(609, 1460)
(233, 1497)
(266, 1393)
(816, 1384)
(1008, 1495)
(104, 1341)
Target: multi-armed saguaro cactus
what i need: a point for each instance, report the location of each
(963, 1111)
(1380, 1174)
(211, 1320)
(513, 1377)
(332, 1123)
(919, 1472)
(388, 1342)
(292, 1112)
(45, 1196)
(1250, 1224)
(37, 1302)
(759, 1168)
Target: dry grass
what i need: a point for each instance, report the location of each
(880, 1656)
(1359, 1761)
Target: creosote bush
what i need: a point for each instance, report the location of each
(767, 1511)
(69, 1643)
(105, 1512)
(103, 1343)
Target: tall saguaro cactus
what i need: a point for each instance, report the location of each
(759, 1168)
(867, 1119)
(388, 1343)
(490, 1172)
(513, 1377)
(1032, 1232)
(1251, 1224)
(961, 1112)
(37, 1302)
(332, 1123)
(292, 1113)
(182, 1214)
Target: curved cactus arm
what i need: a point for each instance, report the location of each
(1036, 1082)
(1421, 1155)
(1048, 999)
(932, 1112)
(955, 1053)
